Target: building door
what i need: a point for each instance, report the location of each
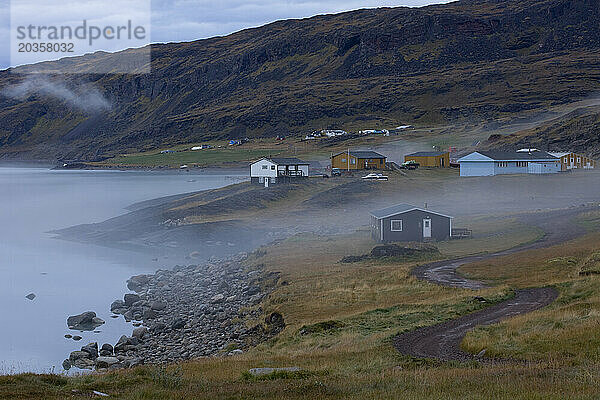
(266, 182)
(426, 228)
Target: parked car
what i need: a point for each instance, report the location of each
(375, 177)
(412, 164)
(336, 172)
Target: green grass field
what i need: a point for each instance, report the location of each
(203, 158)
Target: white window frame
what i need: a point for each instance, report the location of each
(265, 167)
(392, 225)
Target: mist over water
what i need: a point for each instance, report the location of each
(69, 278)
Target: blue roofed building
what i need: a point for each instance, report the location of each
(489, 163)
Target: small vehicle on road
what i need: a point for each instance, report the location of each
(410, 165)
(375, 177)
(336, 172)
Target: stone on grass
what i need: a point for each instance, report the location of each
(268, 371)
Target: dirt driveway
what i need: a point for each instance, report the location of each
(442, 341)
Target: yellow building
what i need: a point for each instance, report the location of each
(430, 159)
(574, 161)
(353, 160)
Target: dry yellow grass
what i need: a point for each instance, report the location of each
(568, 331)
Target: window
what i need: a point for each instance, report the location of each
(343, 160)
(396, 225)
(265, 167)
(273, 167)
(522, 163)
(502, 164)
(353, 161)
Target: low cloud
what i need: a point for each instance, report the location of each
(81, 96)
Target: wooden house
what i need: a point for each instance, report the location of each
(430, 159)
(569, 160)
(355, 160)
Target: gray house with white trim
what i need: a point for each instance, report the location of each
(489, 163)
(407, 223)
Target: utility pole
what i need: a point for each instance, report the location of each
(348, 160)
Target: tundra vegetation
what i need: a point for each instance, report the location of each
(341, 318)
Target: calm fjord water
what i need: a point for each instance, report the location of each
(69, 278)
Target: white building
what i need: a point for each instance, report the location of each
(488, 163)
(268, 171)
(333, 132)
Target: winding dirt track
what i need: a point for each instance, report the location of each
(442, 341)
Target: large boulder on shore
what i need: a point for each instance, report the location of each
(158, 305)
(117, 306)
(91, 349)
(80, 359)
(139, 332)
(126, 344)
(138, 282)
(130, 299)
(87, 321)
(106, 362)
(106, 350)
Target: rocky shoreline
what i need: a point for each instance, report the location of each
(188, 312)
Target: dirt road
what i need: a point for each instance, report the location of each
(442, 341)
(558, 226)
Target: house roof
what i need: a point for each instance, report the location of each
(288, 161)
(559, 154)
(427, 154)
(401, 209)
(363, 154)
(513, 156)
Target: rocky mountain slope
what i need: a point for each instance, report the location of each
(468, 60)
(578, 131)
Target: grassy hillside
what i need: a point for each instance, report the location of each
(464, 61)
